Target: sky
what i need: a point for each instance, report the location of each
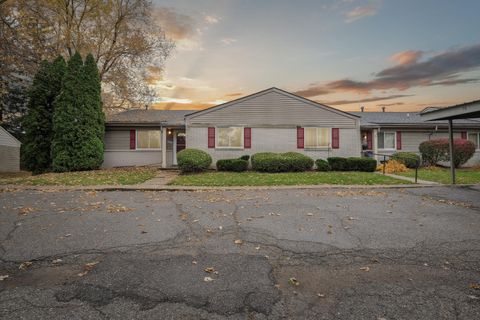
(403, 55)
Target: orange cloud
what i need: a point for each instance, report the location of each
(360, 13)
(234, 94)
(406, 57)
(177, 26)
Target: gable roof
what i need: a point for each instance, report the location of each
(272, 89)
(404, 119)
(151, 116)
(6, 139)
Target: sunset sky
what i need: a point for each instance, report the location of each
(402, 54)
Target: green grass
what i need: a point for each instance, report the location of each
(80, 178)
(442, 175)
(277, 179)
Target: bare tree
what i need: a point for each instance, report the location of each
(121, 35)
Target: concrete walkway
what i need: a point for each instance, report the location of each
(162, 177)
(410, 179)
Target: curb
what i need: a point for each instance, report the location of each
(194, 188)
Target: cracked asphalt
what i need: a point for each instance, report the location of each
(354, 253)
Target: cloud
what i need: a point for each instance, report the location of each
(406, 57)
(228, 41)
(390, 104)
(210, 19)
(177, 26)
(371, 99)
(172, 100)
(234, 94)
(313, 91)
(361, 12)
(441, 69)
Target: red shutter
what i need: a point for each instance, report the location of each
(211, 137)
(132, 139)
(335, 138)
(247, 138)
(369, 140)
(399, 140)
(300, 135)
(464, 135)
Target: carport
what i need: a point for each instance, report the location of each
(460, 111)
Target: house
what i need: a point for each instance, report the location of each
(389, 132)
(9, 152)
(271, 120)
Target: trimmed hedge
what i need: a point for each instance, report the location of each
(235, 165)
(352, 164)
(437, 150)
(409, 159)
(338, 163)
(193, 160)
(281, 162)
(322, 165)
(245, 157)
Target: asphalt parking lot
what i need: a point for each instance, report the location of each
(250, 254)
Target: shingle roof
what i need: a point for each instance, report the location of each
(403, 118)
(152, 116)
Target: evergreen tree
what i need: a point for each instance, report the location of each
(79, 119)
(68, 118)
(38, 123)
(95, 118)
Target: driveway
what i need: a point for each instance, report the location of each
(254, 254)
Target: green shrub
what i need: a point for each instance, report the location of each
(436, 150)
(269, 162)
(338, 163)
(352, 164)
(281, 162)
(245, 157)
(322, 165)
(361, 164)
(409, 159)
(236, 165)
(297, 161)
(193, 160)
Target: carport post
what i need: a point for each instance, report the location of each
(450, 142)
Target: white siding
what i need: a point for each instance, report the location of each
(275, 140)
(273, 108)
(9, 158)
(6, 139)
(128, 158)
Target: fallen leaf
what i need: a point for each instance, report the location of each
(25, 210)
(67, 235)
(474, 286)
(209, 270)
(309, 214)
(220, 227)
(238, 241)
(194, 262)
(257, 248)
(117, 208)
(293, 282)
(25, 265)
(366, 269)
(81, 274)
(90, 265)
(4, 277)
(143, 231)
(320, 295)
(57, 261)
(207, 279)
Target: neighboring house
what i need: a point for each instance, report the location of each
(389, 132)
(9, 152)
(272, 120)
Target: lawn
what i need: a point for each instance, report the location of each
(277, 179)
(442, 175)
(80, 178)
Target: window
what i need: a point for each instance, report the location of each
(317, 137)
(148, 139)
(475, 138)
(231, 137)
(386, 140)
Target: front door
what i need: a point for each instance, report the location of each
(179, 143)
